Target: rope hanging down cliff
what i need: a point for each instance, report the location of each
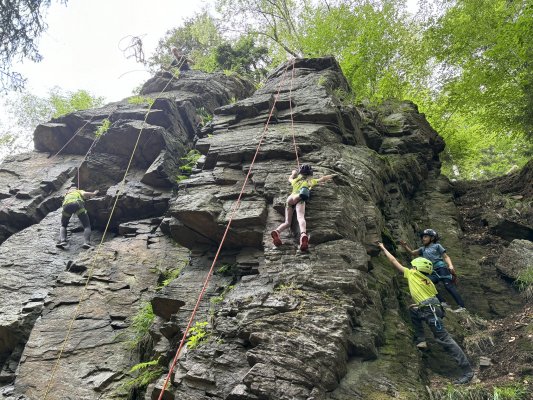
(233, 212)
(98, 249)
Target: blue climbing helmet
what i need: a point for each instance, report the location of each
(306, 169)
(431, 233)
(423, 265)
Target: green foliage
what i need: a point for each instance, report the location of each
(465, 63)
(371, 40)
(275, 23)
(170, 274)
(21, 25)
(197, 335)
(524, 281)
(140, 325)
(197, 38)
(220, 298)
(103, 128)
(225, 269)
(190, 161)
(180, 178)
(26, 111)
(290, 287)
(480, 99)
(243, 56)
(516, 391)
(511, 392)
(141, 100)
(67, 102)
(31, 110)
(143, 373)
(205, 116)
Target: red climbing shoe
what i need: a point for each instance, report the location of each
(304, 242)
(276, 239)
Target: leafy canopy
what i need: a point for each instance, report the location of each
(28, 110)
(466, 63)
(21, 24)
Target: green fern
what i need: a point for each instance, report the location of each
(103, 128)
(140, 325)
(190, 160)
(205, 116)
(144, 374)
(198, 335)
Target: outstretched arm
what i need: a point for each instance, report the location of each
(391, 258)
(406, 247)
(326, 178)
(89, 195)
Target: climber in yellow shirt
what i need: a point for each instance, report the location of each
(427, 309)
(302, 183)
(74, 203)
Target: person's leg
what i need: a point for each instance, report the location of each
(84, 218)
(417, 318)
(451, 347)
(300, 215)
(452, 289)
(65, 218)
(289, 210)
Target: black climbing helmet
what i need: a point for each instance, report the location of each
(306, 170)
(431, 233)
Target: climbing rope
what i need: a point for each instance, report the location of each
(292, 119)
(98, 249)
(233, 213)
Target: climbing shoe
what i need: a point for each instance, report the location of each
(459, 310)
(86, 246)
(445, 305)
(422, 345)
(61, 245)
(276, 239)
(467, 377)
(304, 242)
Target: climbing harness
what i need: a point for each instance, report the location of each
(228, 225)
(431, 303)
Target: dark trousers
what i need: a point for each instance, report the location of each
(443, 275)
(75, 208)
(419, 315)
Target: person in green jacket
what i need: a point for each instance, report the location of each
(74, 203)
(427, 309)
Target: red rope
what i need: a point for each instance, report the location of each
(210, 273)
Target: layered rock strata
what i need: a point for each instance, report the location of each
(275, 323)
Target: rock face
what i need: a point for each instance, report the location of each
(275, 323)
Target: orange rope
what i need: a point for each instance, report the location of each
(210, 273)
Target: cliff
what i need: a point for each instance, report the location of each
(331, 323)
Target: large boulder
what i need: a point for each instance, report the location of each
(515, 258)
